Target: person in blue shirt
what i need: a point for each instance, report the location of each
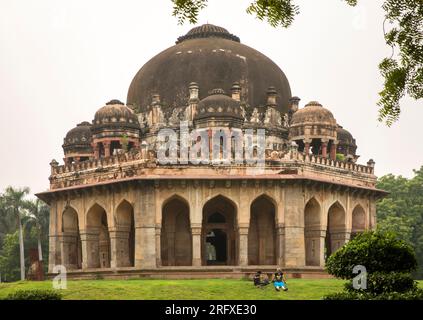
(279, 281)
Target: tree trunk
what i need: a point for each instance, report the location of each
(21, 247)
(40, 249)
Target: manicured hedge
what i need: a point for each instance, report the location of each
(379, 282)
(35, 295)
(362, 295)
(378, 252)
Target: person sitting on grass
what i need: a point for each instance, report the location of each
(279, 280)
(260, 280)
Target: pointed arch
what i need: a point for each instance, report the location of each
(219, 239)
(175, 196)
(98, 244)
(72, 246)
(224, 199)
(262, 231)
(358, 217)
(125, 229)
(95, 215)
(336, 228)
(312, 233)
(175, 238)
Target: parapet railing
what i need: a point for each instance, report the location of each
(319, 160)
(274, 158)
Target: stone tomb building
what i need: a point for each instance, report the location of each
(118, 211)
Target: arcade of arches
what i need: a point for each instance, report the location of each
(115, 237)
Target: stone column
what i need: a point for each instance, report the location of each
(67, 245)
(145, 228)
(145, 246)
(294, 227)
(196, 245)
(96, 149)
(90, 249)
(333, 150)
(243, 245)
(280, 245)
(54, 247)
(307, 144)
(158, 245)
(106, 145)
(339, 238)
(324, 148)
(315, 247)
(119, 248)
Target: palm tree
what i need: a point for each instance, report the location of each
(13, 200)
(38, 215)
(7, 220)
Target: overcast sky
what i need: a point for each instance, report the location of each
(62, 60)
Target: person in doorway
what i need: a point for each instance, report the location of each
(279, 280)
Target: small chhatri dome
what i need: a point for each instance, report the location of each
(115, 112)
(218, 104)
(208, 31)
(313, 113)
(347, 144)
(80, 136)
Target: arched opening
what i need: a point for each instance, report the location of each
(125, 229)
(176, 240)
(72, 248)
(219, 236)
(335, 232)
(115, 146)
(312, 233)
(99, 240)
(262, 232)
(358, 221)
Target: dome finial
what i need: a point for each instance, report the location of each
(208, 31)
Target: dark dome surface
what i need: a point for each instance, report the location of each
(214, 58)
(78, 137)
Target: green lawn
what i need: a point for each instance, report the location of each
(181, 289)
(299, 289)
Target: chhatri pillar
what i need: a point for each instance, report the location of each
(106, 145)
(307, 145)
(333, 150)
(325, 148)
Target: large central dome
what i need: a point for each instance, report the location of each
(213, 58)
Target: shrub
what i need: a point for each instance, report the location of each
(362, 295)
(379, 282)
(377, 251)
(34, 295)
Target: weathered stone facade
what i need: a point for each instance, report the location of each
(118, 209)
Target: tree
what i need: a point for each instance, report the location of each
(9, 258)
(7, 221)
(14, 202)
(377, 251)
(403, 71)
(388, 261)
(38, 217)
(402, 210)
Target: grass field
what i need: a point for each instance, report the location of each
(299, 289)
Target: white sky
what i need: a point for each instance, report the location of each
(62, 60)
